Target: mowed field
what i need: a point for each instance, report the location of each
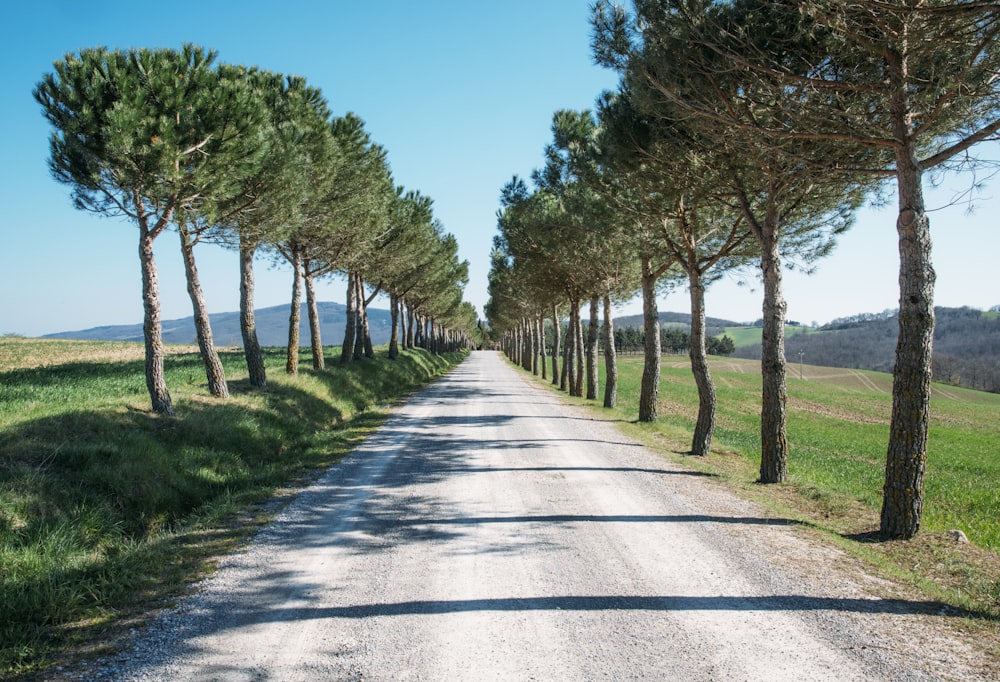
(848, 379)
(838, 429)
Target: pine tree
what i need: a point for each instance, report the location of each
(135, 134)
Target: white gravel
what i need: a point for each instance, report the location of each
(489, 532)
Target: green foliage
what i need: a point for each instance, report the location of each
(147, 132)
(720, 345)
(102, 504)
(672, 340)
(561, 241)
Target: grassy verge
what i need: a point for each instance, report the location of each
(107, 510)
(838, 432)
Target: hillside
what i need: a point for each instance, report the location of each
(714, 325)
(966, 346)
(672, 318)
(272, 327)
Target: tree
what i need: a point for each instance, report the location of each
(238, 120)
(673, 171)
(721, 345)
(925, 74)
(612, 171)
(342, 215)
(134, 136)
(354, 209)
(532, 235)
(528, 276)
(600, 242)
(271, 200)
(436, 300)
(404, 256)
(610, 356)
(795, 197)
(904, 86)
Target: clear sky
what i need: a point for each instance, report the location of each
(460, 93)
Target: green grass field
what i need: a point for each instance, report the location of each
(106, 508)
(748, 336)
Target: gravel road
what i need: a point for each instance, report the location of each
(489, 532)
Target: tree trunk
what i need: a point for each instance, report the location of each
(610, 356)
(580, 351)
(592, 332)
(350, 330)
(315, 336)
(214, 372)
(359, 307)
(292, 361)
(705, 426)
(394, 334)
(407, 315)
(151, 327)
(569, 364)
(536, 345)
(903, 492)
(556, 332)
(567, 354)
(366, 332)
(529, 329)
(773, 415)
(526, 349)
(540, 326)
(248, 325)
(650, 386)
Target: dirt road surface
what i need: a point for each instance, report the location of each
(489, 532)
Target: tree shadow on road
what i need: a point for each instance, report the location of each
(666, 603)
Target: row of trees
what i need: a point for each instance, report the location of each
(750, 131)
(255, 161)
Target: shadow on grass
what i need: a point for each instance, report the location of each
(105, 507)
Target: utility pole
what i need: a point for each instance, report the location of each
(801, 375)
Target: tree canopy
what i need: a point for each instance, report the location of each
(243, 156)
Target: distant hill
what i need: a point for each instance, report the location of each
(713, 325)
(272, 327)
(966, 346)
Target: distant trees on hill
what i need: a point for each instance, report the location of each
(966, 346)
(672, 340)
(860, 319)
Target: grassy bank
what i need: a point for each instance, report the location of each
(838, 430)
(106, 509)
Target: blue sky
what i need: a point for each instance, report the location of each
(461, 95)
